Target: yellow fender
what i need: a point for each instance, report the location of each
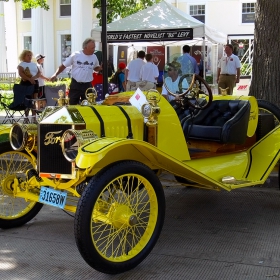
(105, 151)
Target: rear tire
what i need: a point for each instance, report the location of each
(267, 107)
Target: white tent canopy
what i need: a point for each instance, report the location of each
(160, 17)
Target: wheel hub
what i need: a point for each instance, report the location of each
(121, 216)
(8, 185)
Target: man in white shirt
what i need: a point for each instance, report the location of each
(83, 63)
(228, 70)
(133, 71)
(148, 74)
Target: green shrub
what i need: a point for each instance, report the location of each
(209, 79)
(6, 98)
(246, 69)
(64, 81)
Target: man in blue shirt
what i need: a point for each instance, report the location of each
(188, 63)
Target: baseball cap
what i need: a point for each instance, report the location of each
(122, 65)
(39, 56)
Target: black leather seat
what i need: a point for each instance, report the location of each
(224, 121)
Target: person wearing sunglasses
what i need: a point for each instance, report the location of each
(172, 80)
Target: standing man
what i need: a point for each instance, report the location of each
(42, 78)
(83, 63)
(148, 74)
(228, 70)
(133, 71)
(188, 63)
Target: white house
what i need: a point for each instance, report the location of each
(62, 29)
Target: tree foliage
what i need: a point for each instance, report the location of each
(122, 8)
(28, 4)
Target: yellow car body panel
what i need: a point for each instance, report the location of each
(172, 154)
(171, 141)
(4, 132)
(115, 124)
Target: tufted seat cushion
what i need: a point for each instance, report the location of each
(224, 121)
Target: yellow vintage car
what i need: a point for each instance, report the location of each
(101, 161)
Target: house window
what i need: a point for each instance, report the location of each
(248, 12)
(65, 8)
(26, 14)
(27, 42)
(198, 12)
(65, 46)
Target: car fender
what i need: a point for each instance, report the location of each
(102, 152)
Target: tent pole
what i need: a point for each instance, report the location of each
(104, 48)
(204, 56)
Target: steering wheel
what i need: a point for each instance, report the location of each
(192, 95)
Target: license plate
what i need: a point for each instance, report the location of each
(52, 197)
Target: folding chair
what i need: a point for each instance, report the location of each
(52, 92)
(19, 104)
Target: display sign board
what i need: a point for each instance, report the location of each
(149, 35)
(122, 54)
(158, 53)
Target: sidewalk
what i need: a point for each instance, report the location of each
(207, 235)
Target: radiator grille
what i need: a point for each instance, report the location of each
(51, 159)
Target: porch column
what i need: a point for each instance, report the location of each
(3, 57)
(11, 35)
(49, 49)
(81, 22)
(37, 30)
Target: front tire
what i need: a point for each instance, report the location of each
(119, 217)
(14, 211)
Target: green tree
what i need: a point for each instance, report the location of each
(28, 4)
(265, 83)
(122, 8)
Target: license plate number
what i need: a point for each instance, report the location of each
(52, 197)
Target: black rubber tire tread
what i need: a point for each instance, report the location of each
(268, 106)
(6, 224)
(85, 208)
(273, 109)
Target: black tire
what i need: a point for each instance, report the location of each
(108, 197)
(14, 211)
(267, 107)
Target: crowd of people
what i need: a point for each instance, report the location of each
(137, 74)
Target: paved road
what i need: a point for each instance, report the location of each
(207, 235)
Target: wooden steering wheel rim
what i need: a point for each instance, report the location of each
(180, 82)
(208, 93)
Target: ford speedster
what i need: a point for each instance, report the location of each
(102, 162)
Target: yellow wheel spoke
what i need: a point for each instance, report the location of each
(121, 217)
(13, 164)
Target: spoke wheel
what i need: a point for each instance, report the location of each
(269, 108)
(14, 211)
(119, 217)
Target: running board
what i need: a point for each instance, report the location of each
(233, 183)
